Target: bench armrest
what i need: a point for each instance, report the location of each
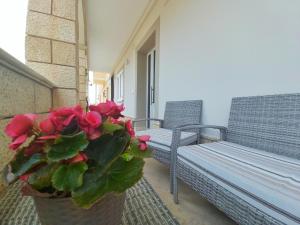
(148, 119)
(177, 132)
(222, 129)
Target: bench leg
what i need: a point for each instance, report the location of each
(174, 179)
(171, 179)
(175, 188)
(198, 138)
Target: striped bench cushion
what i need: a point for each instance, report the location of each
(163, 137)
(267, 181)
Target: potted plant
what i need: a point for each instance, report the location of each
(77, 165)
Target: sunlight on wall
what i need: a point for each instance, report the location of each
(13, 27)
(92, 89)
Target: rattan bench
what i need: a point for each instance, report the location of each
(253, 174)
(177, 113)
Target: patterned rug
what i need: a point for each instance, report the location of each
(142, 207)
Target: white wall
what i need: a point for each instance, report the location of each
(130, 87)
(216, 49)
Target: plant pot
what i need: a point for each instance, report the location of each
(62, 211)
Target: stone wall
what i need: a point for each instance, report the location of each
(82, 48)
(83, 76)
(22, 91)
(52, 47)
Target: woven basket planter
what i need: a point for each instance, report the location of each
(62, 211)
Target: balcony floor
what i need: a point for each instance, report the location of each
(192, 208)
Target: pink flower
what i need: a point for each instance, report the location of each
(47, 126)
(91, 133)
(109, 108)
(81, 157)
(20, 125)
(129, 128)
(93, 119)
(90, 124)
(25, 177)
(19, 129)
(18, 141)
(144, 138)
(142, 142)
(62, 117)
(143, 146)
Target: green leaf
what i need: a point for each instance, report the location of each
(127, 156)
(42, 178)
(107, 148)
(124, 175)
(21, 164)
(69, 177)
(119, 177)
(135, 151)
(67, 147)
(110, 128)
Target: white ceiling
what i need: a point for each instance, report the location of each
(109, 26)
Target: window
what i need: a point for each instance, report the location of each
(119, 86)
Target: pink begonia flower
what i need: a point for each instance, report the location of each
(144, 138)
(90, 124)
(81, 157)
(47, 126)
(129, 128)
(93, 119)
(143, 146)
(91, 133)
(142, 142)
(62, 117)
(25, 177)
(18, 141)
(94, 134)
(109, 108)
(19, 128)
(20, 125)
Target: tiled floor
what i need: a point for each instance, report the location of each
(192, 208)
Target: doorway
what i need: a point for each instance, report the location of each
(151, 64)
(147, 80)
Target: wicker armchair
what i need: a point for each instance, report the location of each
(253, 176)
(177, 113)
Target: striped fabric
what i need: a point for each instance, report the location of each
(163, 137)
(268, 181)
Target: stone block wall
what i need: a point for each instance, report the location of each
(83, 76)
(52, 46)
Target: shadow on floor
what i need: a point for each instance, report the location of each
(192, 208)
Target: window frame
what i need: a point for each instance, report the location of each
(119, 86)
